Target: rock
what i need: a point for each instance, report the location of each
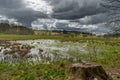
(87, 72)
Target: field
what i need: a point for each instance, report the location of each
(60, 37)
(62, 52)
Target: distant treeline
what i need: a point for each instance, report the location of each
(62, 33)
(22, 30)
(112, 35)
(15, 29)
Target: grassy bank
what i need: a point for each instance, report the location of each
(39, 71)
(25, 71)
(65, 38)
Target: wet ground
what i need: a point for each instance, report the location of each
(46, 51)
(38, 50)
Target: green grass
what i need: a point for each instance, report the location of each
(32, 37)
(25, 71)
(108, 57)
(26, 37)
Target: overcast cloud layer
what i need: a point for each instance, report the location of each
(86, 15)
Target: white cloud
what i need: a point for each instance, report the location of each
(86, 19)
(43, 24)
(49, 23)
(39, 5)
(92, 27)
(9, 20)
(3, 17)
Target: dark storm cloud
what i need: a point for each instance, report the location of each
(62, 9)
(75, 9)
(84, 12)
(11, 4)
(26, 16)
(4, 21)
(93, 19)
(16, 9)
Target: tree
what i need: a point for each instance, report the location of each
(15, 29)
(114, 14)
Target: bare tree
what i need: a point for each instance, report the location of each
(114, 14)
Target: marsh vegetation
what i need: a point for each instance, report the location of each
(50, 59)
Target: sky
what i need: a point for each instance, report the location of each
(77, 15)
